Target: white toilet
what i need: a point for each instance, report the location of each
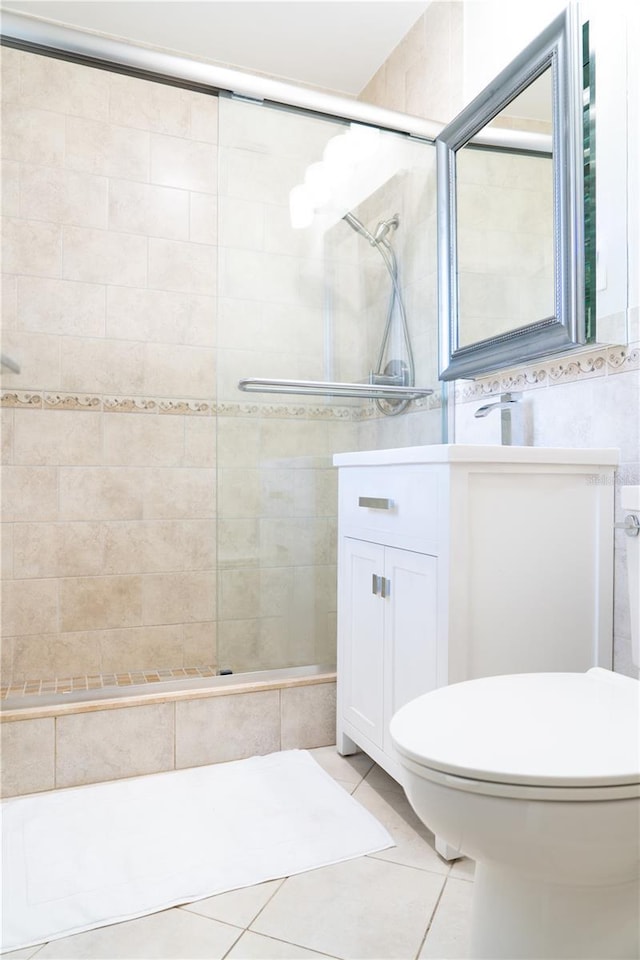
(537, 777)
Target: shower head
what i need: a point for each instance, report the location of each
(382, 229)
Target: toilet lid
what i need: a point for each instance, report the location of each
(539, 729)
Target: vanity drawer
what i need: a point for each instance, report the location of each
(398, 505)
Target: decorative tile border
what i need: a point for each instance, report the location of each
(604, 361)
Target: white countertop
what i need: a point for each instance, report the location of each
(478, 453)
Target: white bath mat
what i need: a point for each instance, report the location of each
(90, 856)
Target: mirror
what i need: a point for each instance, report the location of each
(511, 213)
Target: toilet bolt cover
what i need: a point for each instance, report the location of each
(540, 729)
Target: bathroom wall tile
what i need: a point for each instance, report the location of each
(45, 656)
(100, 493)
(106, 149)
(174, 370)
(227, 728)
(68, 88)
(159, 316)
(316, 493)
(140, 648)
(200, 442)
(57, 437)
(38, 356)
(63, 196)
(27, 756)
(186, 164)
(29, 606)
(295, 441)
(143, 440)
(10, 188)
(238, 542)
(9, 303)
(178, 597)
(204, 117)
(147, 105)
(6, 435)
(255, 176)
(10, 63)
(242, 222)
(308, 716)
(6, 655)
(98, 256)
(186, 267)
(102, 366)
(200, 644)
(238, 442)
(29, 493)
(6, 550)
(239, 594)
(95, 603)
(61, 307)
(179, 493)
(294, 541)
(240, 493)
(144, 209)
(253, 275)
(59, 550)
(156, 546)
(32, 136)
(31, 247)
(203, 218)
(110, 744)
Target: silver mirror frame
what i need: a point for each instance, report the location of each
(558, 47)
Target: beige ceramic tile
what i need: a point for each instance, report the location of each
(106, 149)
(155, 546)
(27, 756)
(58, 437)
(174, 370)
(203, 218)
(29, 493)
(6, 436)
(239, 594)
(415, 845)
(363, 908)
(144, 440)
(349, 769)
(6, 549)
(227, 728)
(240, 493)
(185, 267)
(308, 716)
(10, 188)
(204, 117)
(149, 106)
(238, 542)
(200, 442)
(448, 935)
(200, 644)
(56, 655)
(94, 603)
(178, 598)
(238, 442)
(181, 493)
(38, 356)
(29, 606)
(169, 935)
(59, 550)
(160, 316)
(110, 744)
(253, 946)
(139, 648)
(63, 196)
(32, 136)
(68, 88)
(97, 256)
(61, 307)
(149, 210)
(31, 247)
(189, 165)
(101, 493)
(10, 65)
(238, 907)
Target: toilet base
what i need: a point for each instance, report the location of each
(517, 917)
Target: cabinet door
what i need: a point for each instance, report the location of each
(361, 639)
(411, 625)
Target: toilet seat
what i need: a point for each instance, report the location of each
(554, 736)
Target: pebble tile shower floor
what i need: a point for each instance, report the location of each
(30, 688)
(404, 903)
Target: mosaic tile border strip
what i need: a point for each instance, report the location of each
(35, 688)
(597, 363)
(97, 403)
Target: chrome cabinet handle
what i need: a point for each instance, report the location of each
(376, 503)
(385, 588)
(375, 584)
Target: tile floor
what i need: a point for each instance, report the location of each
(405, 902)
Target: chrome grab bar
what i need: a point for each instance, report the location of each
(324, 388)
(6, 361)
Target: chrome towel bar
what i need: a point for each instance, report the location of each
(6, 361)
(323, 388)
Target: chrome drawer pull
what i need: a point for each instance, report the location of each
(375, 584)
(385, 588)
(375, 503)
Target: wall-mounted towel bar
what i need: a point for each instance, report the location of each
(6, 361)
(323, 388)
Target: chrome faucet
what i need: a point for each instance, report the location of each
(505, 404)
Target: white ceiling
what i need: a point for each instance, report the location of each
(334, 44)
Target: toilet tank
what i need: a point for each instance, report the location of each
(630, 503)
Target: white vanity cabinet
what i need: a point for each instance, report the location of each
(456, 562)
